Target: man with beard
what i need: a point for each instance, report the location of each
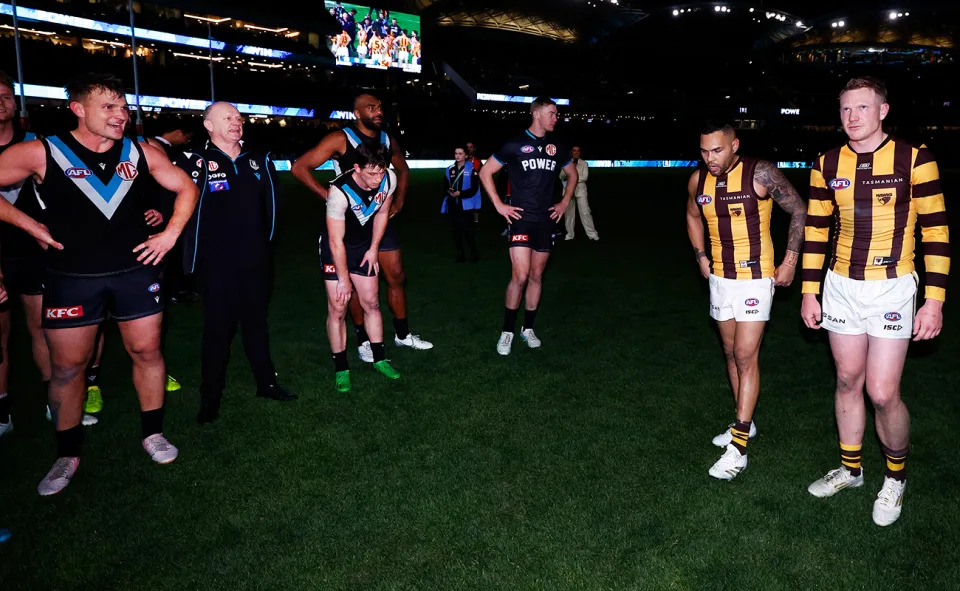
(731, 203)
(342, 148)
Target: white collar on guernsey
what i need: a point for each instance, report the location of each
(163, 140)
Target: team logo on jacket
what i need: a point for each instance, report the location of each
(254, 165)
(737, 211)
(892, 316)
(551, 150)
(127, 170)
(884, 198)
(154, 288)
(704, 200)
(526, 149)
(77, 173)
(380, 197)
(212, 166)
(838, 184)
(752, 302)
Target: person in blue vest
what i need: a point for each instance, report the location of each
(228, 240)
(461, 200)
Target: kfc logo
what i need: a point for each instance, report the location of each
(127, 171)
(551, 150)
(212, 166)
(329, 269)
(60, 313)
(380, 197)
(520, 238)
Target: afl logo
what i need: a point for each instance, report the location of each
(551, 150)
(892, 316)
(839, 184)
(526, 149)
(752, 302)
(77, 173)
(127, 171)
(704, 200)
(154, 288)
(212, 166)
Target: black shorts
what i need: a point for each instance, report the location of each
(536, 235)
(390, 239)
(354, 258)
(23, 275)
(70, 301)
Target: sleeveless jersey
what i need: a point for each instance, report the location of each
(361, 206)
(737, 222)
(14, 242)
(94, 204)
(345, 162)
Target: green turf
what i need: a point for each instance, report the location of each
(580, 465)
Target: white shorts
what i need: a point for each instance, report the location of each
(744, 300)
(880, 308)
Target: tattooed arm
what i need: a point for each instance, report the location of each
(768, 180)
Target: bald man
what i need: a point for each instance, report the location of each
(341, 147)
(228, 245)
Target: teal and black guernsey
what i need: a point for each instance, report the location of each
(93, 203)
(363, 205)
(467, 182)
(14, 242)
(235, 217)
(355, 137)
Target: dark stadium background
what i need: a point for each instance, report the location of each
(581, 465)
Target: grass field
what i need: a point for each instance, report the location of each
(581, 465)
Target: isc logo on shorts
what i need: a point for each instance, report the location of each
(329, 269)
(892, 316)
(838, 184)
(752, 302)
(520, 238)
(58, 313)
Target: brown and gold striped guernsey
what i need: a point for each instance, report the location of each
(876, 198)
(737, 222)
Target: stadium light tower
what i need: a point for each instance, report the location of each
(210, 22)
(23, 93)
(136, 76)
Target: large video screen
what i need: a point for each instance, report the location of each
(375, 37)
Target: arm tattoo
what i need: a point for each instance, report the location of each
(777, 185)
